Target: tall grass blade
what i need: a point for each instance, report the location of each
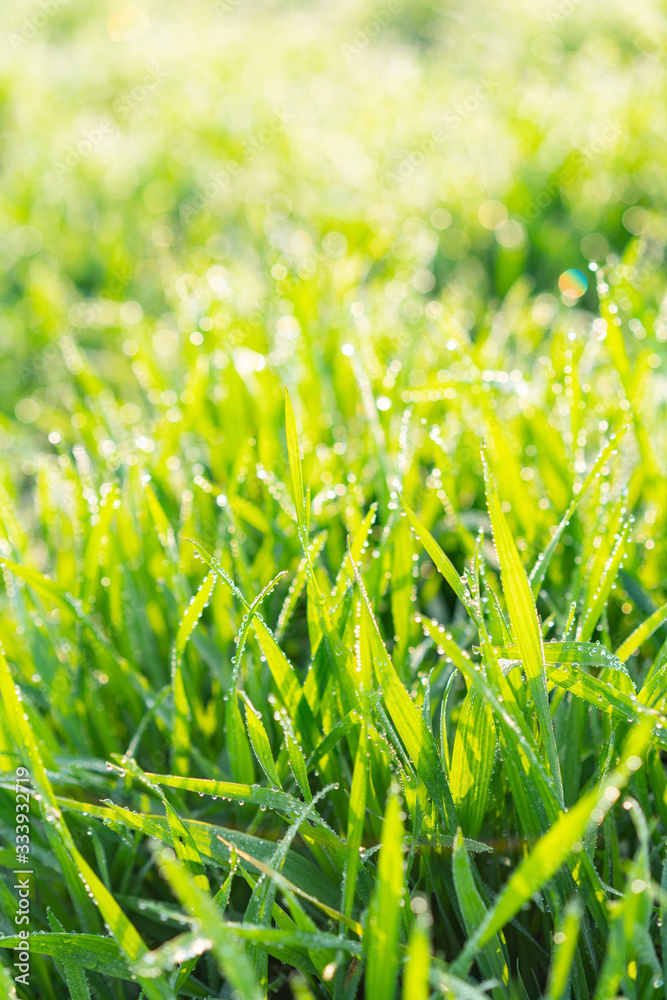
(641, 634)
(565, 944)
(229, 955)
(490, 958)
(294, 453)
(473, 758)
(405, 715)
(525, 624)
(562, 839)
(381, 940)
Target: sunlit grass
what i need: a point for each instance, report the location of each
(358, 689)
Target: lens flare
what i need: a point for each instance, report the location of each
(572, 283)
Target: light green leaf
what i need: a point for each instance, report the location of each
(418, 959)
(603, 696)
(77, 983)
(229, 955)
(472, 761)
(122, 929)
(298, 583)
(564, 838)
(89, 951)
(294, 453)
(355, 819)
(407, 718)
(297, 763)
(238, 746)
(641, 634)
(181, 731)
(602, 586)
(490, 958)
(401, 589)
(440, 560)
(539, 570)
(565, 946)
(525, 624)
(260, 742)
(382, 936)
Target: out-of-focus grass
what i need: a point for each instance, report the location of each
(361, 693)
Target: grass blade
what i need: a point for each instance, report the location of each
(77, 983)
(555, 846)
(525, 624)
(355, 820)
(417, 964)
(539, 570)
(405, 715)
(565, 944)
(490, 958)
(381, 940)
(472, 762)
(122, 929)
(294, 453)
(229, 955)
(260, 742)
(440, 560)
(593, 607)
(85, 951)
(182, 714)
(641, 634)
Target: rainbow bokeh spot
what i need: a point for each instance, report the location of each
(573, 283)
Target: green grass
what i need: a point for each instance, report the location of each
(333, 535)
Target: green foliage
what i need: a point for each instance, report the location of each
(333, 528)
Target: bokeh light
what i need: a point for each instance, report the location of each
(573, 283)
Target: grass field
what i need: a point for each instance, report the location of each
(333, 500)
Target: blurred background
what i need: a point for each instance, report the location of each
(421, 152)
(201, 202)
